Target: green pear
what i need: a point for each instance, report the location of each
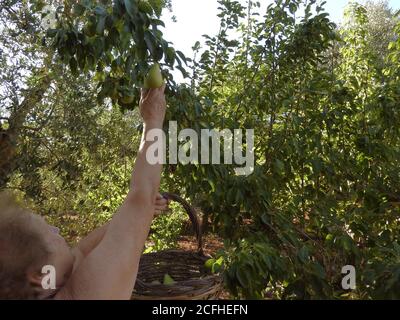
(127, 99)
(154, 78)
(90, 30)
(209, 263)
(168, 280)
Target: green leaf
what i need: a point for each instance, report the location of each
(158, 22)
(73, 64)
(90, 62)
(347, 243)
(212, 185)
(51, 33)
(317, 165)
(99, 10)
(241, 276)
(157, 6)
(98, 46)
(318, 270)
(303, 254)
(170, 56)
(149, 39)
(101, 26)
(182, 56)
(78, 9)
(130, 8)
(329, 237)
(145, 7)
(279, 166)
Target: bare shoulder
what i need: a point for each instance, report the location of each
(65, 292)
(78, 258)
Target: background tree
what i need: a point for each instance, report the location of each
(325, 187)
(24, 76)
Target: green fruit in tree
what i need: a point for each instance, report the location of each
(168, 280)
(154, 78)
(90, 30)
(145, 7)
(127, 99)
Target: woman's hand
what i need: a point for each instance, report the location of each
(153, 106)
(161, 205)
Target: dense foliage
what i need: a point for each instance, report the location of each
(323, 101)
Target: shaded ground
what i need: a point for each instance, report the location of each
(211, 243)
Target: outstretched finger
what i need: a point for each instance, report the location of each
(162, 207)
(161, 202)
(144, 93)
(159, 196)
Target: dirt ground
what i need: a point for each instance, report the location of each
(211, 243)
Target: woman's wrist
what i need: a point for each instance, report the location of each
(153, 124)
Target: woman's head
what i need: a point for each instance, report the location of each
(27, 243)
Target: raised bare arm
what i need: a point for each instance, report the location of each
(92, 240)
(109, 270)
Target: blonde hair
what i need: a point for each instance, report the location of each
(22, 249)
